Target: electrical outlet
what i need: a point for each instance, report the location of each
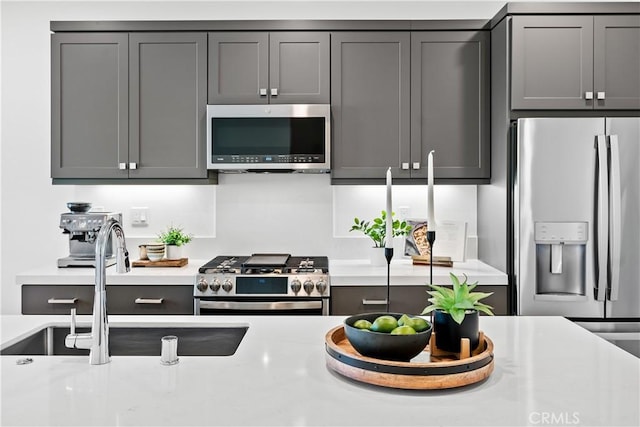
(403, 212)
(140, 216)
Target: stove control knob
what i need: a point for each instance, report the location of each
(296, 286)
(308, 286)
(202, 284)
(215, 285)
(321, 286)
(227, 285)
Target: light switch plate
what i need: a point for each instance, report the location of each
(140, 216)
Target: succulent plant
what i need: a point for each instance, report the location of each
(458, 300)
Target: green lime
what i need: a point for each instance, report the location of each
(403, 319)
(418, 323)
(403, 330)
(384, 324)
(362, 324)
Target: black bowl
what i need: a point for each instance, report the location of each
(383, 345)
(79, 207)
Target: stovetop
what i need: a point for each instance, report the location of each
(266, 264)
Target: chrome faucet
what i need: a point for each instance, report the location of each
(98, 339)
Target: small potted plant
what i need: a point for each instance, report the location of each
(376, 229)
(174, 239)
(456, 313)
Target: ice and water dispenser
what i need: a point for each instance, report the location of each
(560, 258)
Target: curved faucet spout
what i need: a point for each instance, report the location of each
(98, 339)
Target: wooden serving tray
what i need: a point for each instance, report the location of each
(424, 372)
(438, 261)
(162, 263)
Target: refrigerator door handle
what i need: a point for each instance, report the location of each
(602, 219)
(615, 218)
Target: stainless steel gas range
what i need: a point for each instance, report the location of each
(271, 284)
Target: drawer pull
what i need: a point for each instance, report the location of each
(149, 300)
(374, 302)
(62, 300)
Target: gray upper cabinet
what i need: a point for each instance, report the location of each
(396, 96)
(168, 99)
(450, 103)
(128, 105)
(575, 62)
(616, 61)
(370, 102)
(89, 105)
(276, 67)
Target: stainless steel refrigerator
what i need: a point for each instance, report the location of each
(576, 219)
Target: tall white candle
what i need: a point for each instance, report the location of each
(431, 219)
(389, 228)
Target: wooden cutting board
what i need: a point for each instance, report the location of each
(438, 261)
(162, 263)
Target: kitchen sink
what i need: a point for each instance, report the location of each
(135, 341)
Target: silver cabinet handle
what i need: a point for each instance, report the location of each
(405, 166)
(149, 300)
(62, 300)
(263, 91)
(416, 165)
(133, 165)
(274, 91)
(122, 166)
(600, 95)
(588, 95)
(374, 301)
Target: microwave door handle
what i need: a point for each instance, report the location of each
(615, 217)
(602, 218)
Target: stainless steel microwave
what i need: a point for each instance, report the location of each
(284, 137)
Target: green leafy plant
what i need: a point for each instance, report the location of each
(376, 229)
(458, 300)
(174, 236)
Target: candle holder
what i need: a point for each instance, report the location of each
(431, 238)
(388, 254)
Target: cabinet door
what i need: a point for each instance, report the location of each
(298, 68)
(168, 81)
(616, 62)
(552, 62)
(370, 78)
(238, 68)
(348, 300)
(450, 103)
(89, 105)
(57, 299)
(166, 299)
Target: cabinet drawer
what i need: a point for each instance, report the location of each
(59, 299)
(348, 300)
(123, 299)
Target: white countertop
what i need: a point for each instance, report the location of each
(544, 367)
(342, 273)
(403, 272)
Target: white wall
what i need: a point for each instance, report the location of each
(244, 213)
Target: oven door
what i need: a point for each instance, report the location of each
(261, 306)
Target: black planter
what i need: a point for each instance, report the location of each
(448, 332)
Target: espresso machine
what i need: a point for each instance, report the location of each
(82, 227)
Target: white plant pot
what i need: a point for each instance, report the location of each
(174, 252)
(376, 256)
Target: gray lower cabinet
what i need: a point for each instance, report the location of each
(277, 67)
(128, 105)
(396, 96)
(349, 300)
(577, 62)
(370, 104)
(121, 299)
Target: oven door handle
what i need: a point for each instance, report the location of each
(260, 305)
